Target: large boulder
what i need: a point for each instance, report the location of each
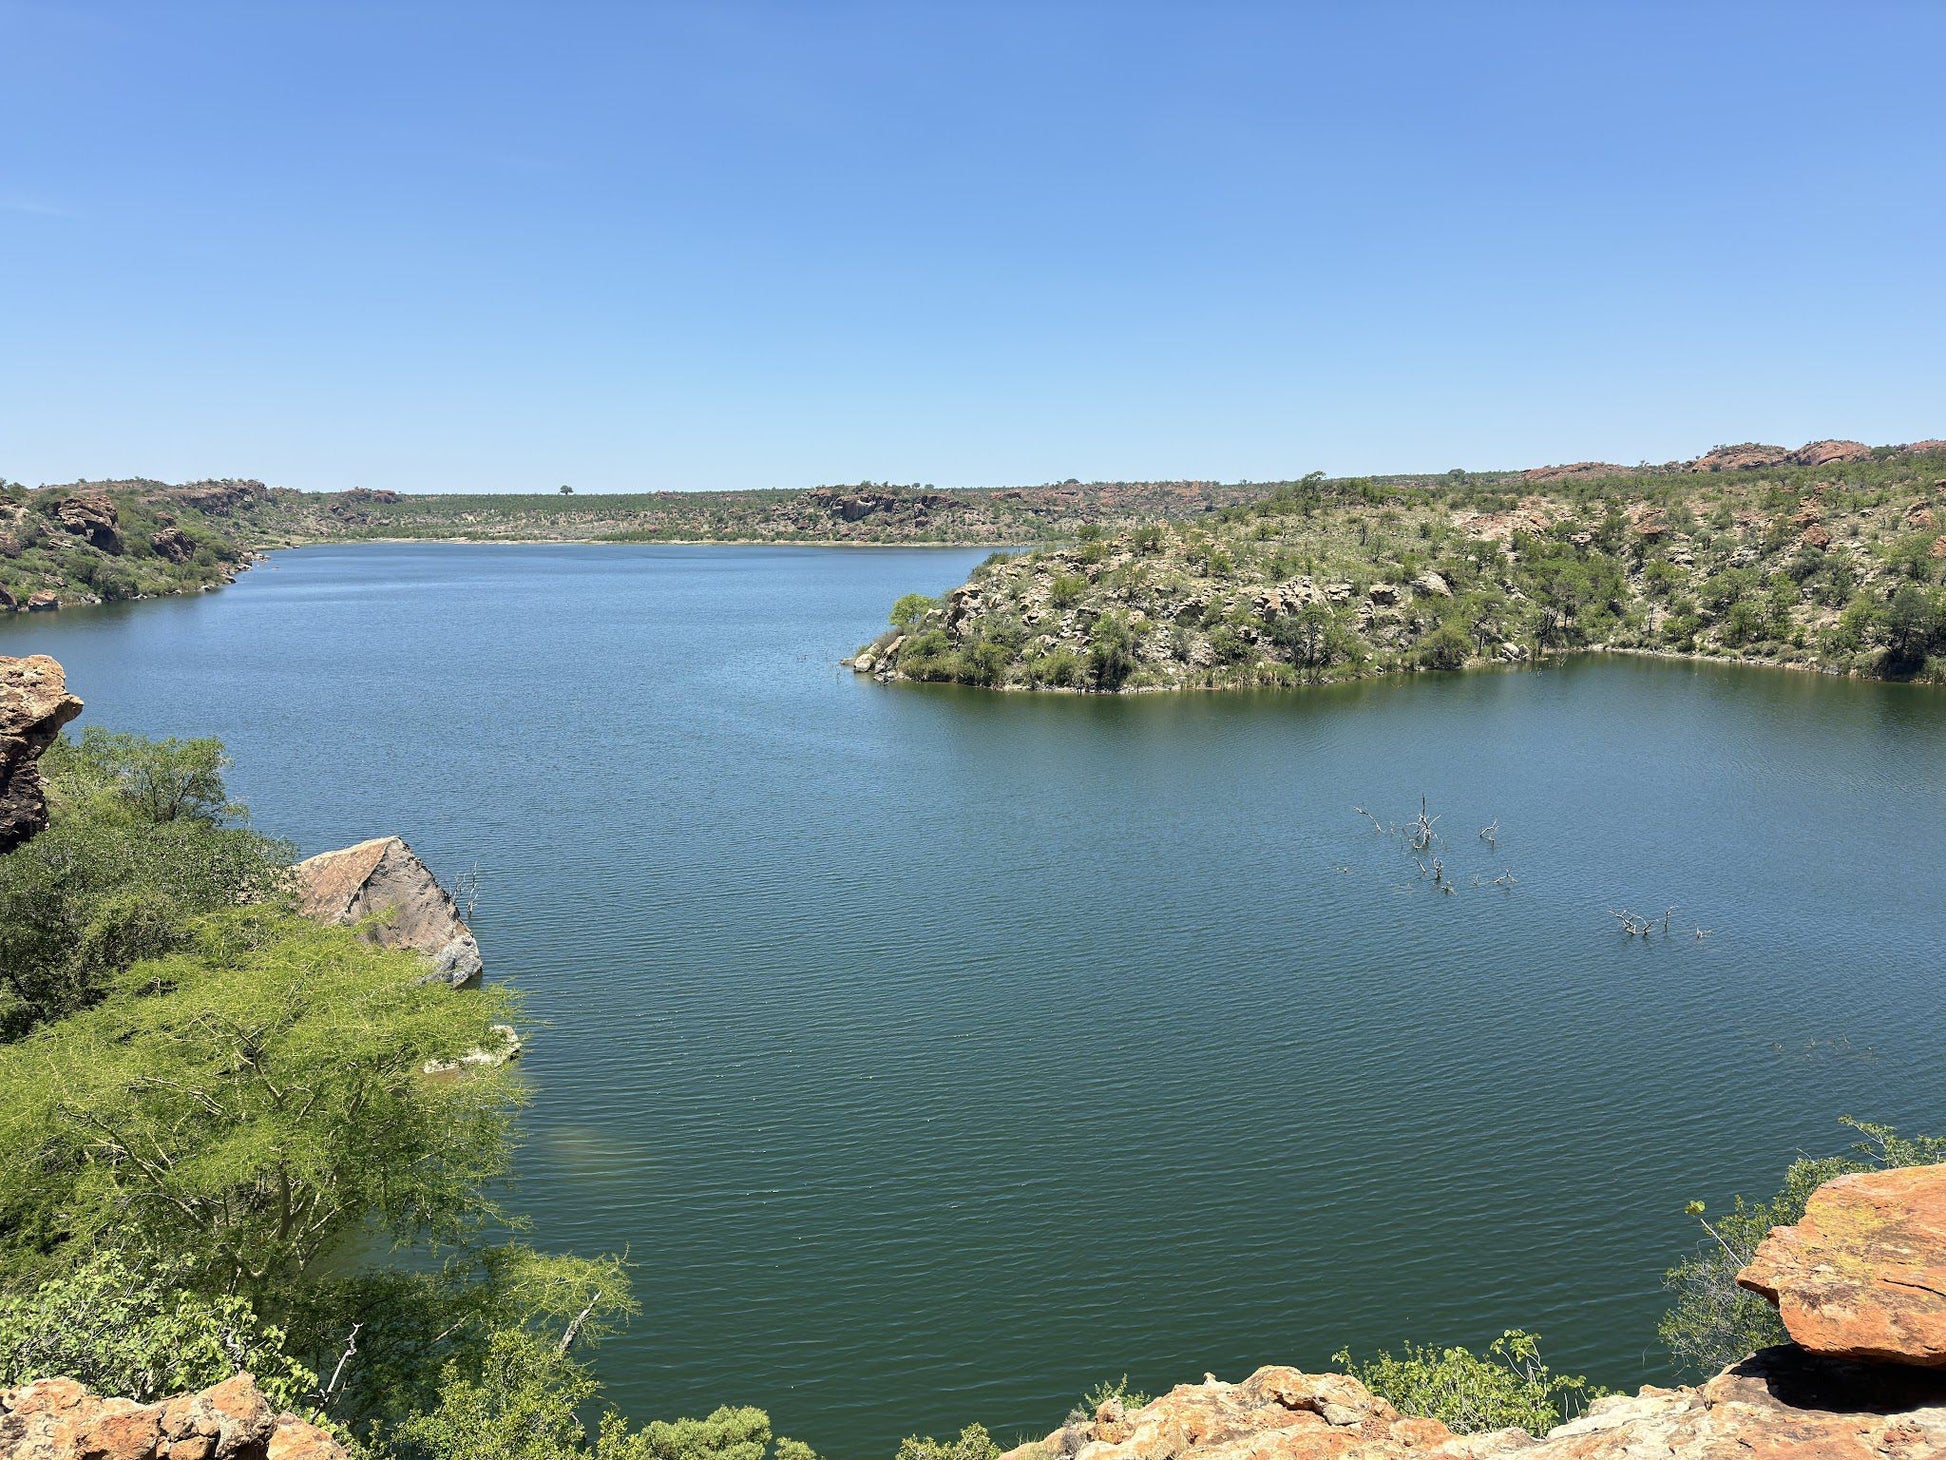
(1863, 1275)
(57, 1419)
(383, 885)
(34, 705)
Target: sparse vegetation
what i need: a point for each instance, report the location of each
(1839, 568)
(1507, 1387)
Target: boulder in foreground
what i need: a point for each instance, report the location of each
(34, 705)
(56, 1419)
(384, 881)
(1863, 1275)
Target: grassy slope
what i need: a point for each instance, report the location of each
(1834, 567)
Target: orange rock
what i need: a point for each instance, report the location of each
(1863, 1275)
(56, 1419)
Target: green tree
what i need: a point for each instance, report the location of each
(911, 610)
(141, 838)
(246, 1103)
(1912, 622)
(1111, 651)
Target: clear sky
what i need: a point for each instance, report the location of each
(480, 246)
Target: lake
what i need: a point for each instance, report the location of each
(937, 1054)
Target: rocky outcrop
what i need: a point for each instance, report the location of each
(1736, 458)
(1780, 1404)
(93, 517)
(1571, 470)
(1823, 453)
(383, 886)
(1863, 1275)
(1862, 1283)
(44, 601)
(34, 705)
(56, 1419)
(174, 544)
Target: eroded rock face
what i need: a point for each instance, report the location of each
(383, 879)
(1863, 1275)
(174, 544)
(1822, 453)
(34, 705)
(56, 1419)
(93, 517)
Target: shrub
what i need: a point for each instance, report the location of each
(1111, 652)
(974, 1443)
(1066, 589)
(1446, 647)
(131, 1330)
(1506, 1387)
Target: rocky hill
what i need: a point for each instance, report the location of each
(1828, 558)
(96, 542)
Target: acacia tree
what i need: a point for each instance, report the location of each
(246, 1103)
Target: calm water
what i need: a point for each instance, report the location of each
(938, 1054)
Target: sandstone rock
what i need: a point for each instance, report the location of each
(1817, 537)
(93, 517)
(8, 603)
(34, 705)
(45, 601)
(1383, 593)
(56, 1419)
(384, 881)
(1863, 1275)
(1737, 458)
(1924, 448)
(174, 544)
(1822, 453)
(1431, 583)
(1781, 1404)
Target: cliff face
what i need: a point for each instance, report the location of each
(34, 705)
(56, 1419)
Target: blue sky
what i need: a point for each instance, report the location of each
(480, 246)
